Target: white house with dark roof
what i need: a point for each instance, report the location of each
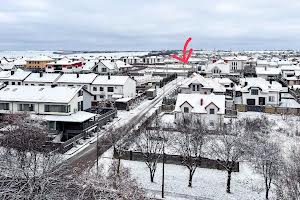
(113, 87)
(14, 77)
(208, 108)
(70, 80)
(41, 79)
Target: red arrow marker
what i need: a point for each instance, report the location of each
(185, 58)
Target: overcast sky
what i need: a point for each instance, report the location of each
(147, 25)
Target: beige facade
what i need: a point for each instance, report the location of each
(38, 63)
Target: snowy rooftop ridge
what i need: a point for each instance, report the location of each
(48, 94)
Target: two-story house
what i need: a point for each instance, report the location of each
(208, 108)
(258, 91)
(113, 87)
(202, 85)
(63, 113)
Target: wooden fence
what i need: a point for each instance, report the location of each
(175, 159)
(268, 109)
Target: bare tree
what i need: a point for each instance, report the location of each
(267, 161)
(189, 143)
(150, 143)
(288, 183)
(228, 149)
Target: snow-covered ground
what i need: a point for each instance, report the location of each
(207, 183)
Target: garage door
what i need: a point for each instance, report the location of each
(251, 102)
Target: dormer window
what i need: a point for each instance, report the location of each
(254, 92)
(211, 111)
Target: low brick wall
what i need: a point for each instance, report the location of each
(174, 159)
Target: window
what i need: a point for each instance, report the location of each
(212, 111)
(104, 70)
(4, 106)
(13, 83)
(211, 123)
(186, 110)
(25, 107)
(94, 88)
(51, 125)
(198, 87)
(101, 89)
(95, 98)
(101, 96)
(19, 83)
(26, 84)
(254, 92)
(32, 84)
(271, 98)
(57, 108)
(110, 89)
(194, 87)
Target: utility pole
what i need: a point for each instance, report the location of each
(97, 151)
(163, 173)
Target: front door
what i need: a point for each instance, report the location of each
(262, 101)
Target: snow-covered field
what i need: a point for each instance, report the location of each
(210, 183)
(207, 183)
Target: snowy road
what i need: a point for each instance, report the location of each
(86, 157)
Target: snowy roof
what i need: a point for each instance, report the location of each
(42, 77)
(12, 93)
(109, 64)
(79, 117)
(121, 64)
(89, 65)
(267, 70)
(19, 75)
(206, 82)
(195, 101)
(113, 80)
(7, 66)
(223, 81)
(64, 61)
(290, 68)
(237, 58)
(220, 64)
(40, 58)
(289, 103)
(124, 100)
(261, 83)
(20, 61)
(77, 78)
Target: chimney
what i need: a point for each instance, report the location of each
(246, 83)
(77, 75)
(201, 102)
(41, 74)
(12, 72)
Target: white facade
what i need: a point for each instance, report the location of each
(113, 87)
(258, 91)
(208, 108)
(45, 101)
